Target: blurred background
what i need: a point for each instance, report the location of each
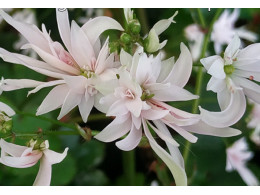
(96, 163)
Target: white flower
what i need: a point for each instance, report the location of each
(224, 30)
(144, 84)
(237, 157)
(195, 36)
(232, 79)
(84, 62)
(22, 157)
(255, 123)
(6, 109)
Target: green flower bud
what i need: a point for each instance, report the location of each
(135, 26)
(151, 43)
(38, 144)
(6, 123)
(229, 69)
(125, 38)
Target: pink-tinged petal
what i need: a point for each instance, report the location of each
(131, 141)
(51, 102)
(144, 69)
(43, 177)
(77, 84)
(21, 162)
(82, 50)
(251, 89)
(47, 84)
(250, 52)
(164, 136)
(117, 108)
(216, 85)
(204, 129)
(223, 98)
(29, 31)
(95, 27)
(137, 121)
(54, 157)
(85, 107)
(117, 128)
(232, 48)
(172, 162)
(217, 69)
(174, 151)
(173, 93)
(71, 101)
(64, 27)
(153, 114)
(15, 84)
(207, 62)
(166, 68)
(12, 149)
(247, 175)
(188, 136)
(175, 119)
(230, 115)
(181, 70)
(103, 103)
(7, 109)
(134, 106)
(31, 63)
(135, 62)
(247, 74)
(52, 60)
(156, 65)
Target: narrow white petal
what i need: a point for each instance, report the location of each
(103, 54)
(172, 162)
(116, 129)
(12, 149)
(247, 74)
(131, 141)
(216, 85)
(70, 102)
(21, 162)
(223, 98)
(246, 34)
(233, 47)
(250, 52)
(64, 27)
(15, 84)
(7, 109)
(181, 70)
(134, 106)
(204, 129)
(164, 136)
(230, 115)
(46, 84)
(207, 62)
(153, 114)
(55, 157)
(217, 69)
(166, 68)
(85, 107)
(43, 177)
(51, 102)
(95, 27)
(29, 31)
(126, 59)
(82, 50)
(247, 175)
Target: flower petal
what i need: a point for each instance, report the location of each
(7, 109)
(217, 69)
(172, 162)
(204, 129)
(51, 102)
(223, 99)
(15, 84)
(230, 115)
(117, 128)
(216, 85)
(232, 48)
(207, 62)
(46, 84)
(181, 70)
(12, 149)
(166, 68)
(85, 107)
(54, 157)
(94, 27)
(43, 177)
(131, 141)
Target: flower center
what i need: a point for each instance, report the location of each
(129, 94)
(87, 73)
(229, 69)
(146, 95)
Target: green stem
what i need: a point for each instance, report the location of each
(143, 20)
(199, 78)
(129, 166)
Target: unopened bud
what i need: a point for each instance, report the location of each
(135, 26)
(84, 132)
(151, 43)
(125, 38)
(6, 123)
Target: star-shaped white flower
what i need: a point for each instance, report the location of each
(232, 78)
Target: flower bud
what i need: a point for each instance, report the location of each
(135, 26)
(125, 38)
(84, 132)
(6, 123)
(151, 43)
